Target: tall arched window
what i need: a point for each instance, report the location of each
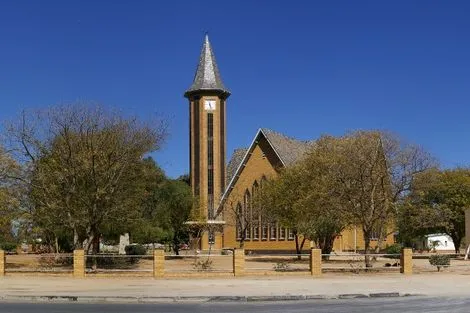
(239, 220)
(263, 220)
(255, 209)
(248, 214)
(263, 180)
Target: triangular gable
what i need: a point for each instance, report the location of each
(233, 180)
(288, 149)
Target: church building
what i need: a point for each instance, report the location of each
(226, 189)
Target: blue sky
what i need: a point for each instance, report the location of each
(303, 68)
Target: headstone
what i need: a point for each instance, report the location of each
(123, 242)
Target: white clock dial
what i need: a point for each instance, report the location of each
(209, 105)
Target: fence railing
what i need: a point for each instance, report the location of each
(277, 263)
(42, 263)
(161, 265)
(199, 263)
(107, 263)
(356, 262)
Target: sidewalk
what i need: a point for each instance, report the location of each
(259, 288)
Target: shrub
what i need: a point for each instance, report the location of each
(135, 250)
(109, 261)
(394, 249)
(439, 260)
(281, 266)
(8, 246)
(51, 261)
(203, 265)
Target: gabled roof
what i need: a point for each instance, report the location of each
(207, 75)
(234, 162)
(287, 149)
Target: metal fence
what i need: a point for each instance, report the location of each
(277, 263)
(27, 263)
(355, 262)
(199, 263)
(227, 264)
(105, 263)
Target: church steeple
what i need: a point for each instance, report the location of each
(207, 77)
(207, 106)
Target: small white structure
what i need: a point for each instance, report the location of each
(440, 242)
(123, 242)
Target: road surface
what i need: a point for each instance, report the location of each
(402, 305)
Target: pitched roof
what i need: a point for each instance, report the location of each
(234, 162)
(207, 75)
(289, 150)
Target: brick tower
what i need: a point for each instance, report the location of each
(207, 100)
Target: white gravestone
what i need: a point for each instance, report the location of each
(123, 242)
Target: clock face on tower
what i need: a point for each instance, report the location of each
(209, 105)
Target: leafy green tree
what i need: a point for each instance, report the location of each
(371, 172)
(357, 179)
(437, 203)
(85, 167)
(303, 198)
(176, 202)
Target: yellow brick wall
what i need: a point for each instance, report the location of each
(264, 162)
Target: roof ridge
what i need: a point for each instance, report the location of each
(268, 130)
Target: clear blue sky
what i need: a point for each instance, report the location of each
(303, 68)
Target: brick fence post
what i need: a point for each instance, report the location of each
(315, 262)
(406, 261)
(238, 262)
(158, 263)
(2, 263)
(79, 263)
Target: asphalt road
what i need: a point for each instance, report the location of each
(402, 305)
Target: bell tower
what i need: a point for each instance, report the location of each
(207, 100)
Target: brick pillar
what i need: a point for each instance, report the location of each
(79, 263)
(315, 262)
(158, 263)
(238, 262)
(2, 263)
(406, 261)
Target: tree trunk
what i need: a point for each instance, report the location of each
(96, 244)
(76, 243)
(56, 244)
(326, 245)
(457, 242)
(299, 247)
(367, 250)
(89, 243)
(176, 247)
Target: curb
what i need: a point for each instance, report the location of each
(199, 299)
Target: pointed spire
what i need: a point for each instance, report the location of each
(207, 74)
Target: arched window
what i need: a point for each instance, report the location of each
(263, 180)
(263, 221)
(255, 212)
(239, 220)
(248, 214)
